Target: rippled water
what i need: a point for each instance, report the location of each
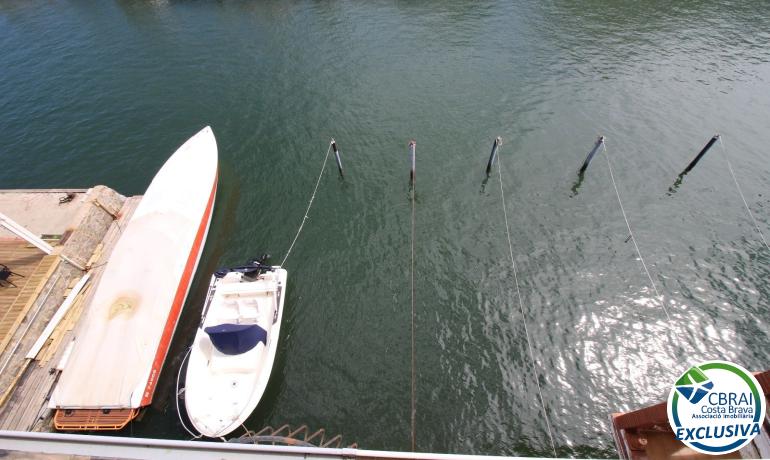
(103, 93)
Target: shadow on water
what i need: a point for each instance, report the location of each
(484, 182)
(675, 186)
(577, 184)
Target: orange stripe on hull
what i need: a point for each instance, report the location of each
(179, 299)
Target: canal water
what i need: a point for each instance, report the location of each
(103, 93)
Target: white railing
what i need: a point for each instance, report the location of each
(119, 447)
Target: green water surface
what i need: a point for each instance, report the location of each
(102, 93)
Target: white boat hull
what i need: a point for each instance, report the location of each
(123, 339)
(222, 390)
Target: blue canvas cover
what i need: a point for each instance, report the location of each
(234, 339)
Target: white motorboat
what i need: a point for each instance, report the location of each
(234, 348)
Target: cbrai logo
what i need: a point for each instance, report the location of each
(716, 407)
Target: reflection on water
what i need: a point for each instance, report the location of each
(105, 93)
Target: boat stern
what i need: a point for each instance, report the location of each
(219, 391)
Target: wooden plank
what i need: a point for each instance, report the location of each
(14, 314)
(13, 383)
(66, 325)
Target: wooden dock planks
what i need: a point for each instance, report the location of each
(36, 267)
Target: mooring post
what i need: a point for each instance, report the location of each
(412, 146)
(497, 143)
(700, 155)
(337, 156)
(591, 154)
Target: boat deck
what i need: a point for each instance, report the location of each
(31, 269)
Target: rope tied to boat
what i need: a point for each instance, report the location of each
(180, 392)
(631, 233)
(312, 197)
(740, 192)
(521, 308)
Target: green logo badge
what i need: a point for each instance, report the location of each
(716, 407)
(694, 385)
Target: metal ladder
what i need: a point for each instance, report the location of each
(284, 435)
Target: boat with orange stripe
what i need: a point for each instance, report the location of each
(121, 344)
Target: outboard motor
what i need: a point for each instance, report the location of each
(251, 271)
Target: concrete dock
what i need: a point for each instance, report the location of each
(82, 226)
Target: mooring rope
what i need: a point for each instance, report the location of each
(179, 412)
(414, 381)
(521, 307)
(631, 233)
(740, 192)
(307, 211)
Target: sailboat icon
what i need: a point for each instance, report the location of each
(694, 385)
